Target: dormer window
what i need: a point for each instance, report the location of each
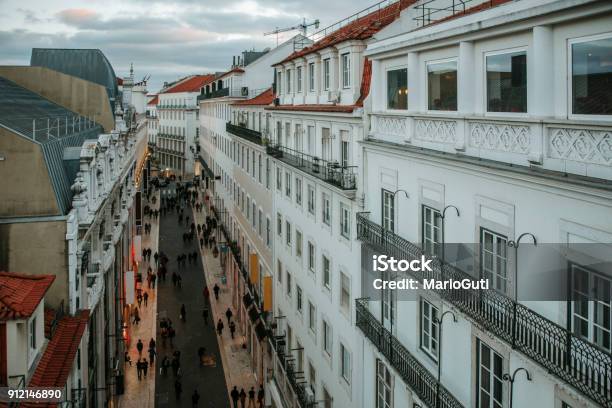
(299, 79)
(326, 72)
(279, 78)
(311, 77)
(288, 81)
(346, 70)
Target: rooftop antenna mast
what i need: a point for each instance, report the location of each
(303, 27)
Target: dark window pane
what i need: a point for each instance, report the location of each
(442, 86)
(397, 89)
(507, 82)
(592, 77)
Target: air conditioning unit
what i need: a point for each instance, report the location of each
(244, 91)
(333, 96)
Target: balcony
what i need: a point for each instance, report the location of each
(420, 380)
(333, 173)
(244, 132)
(574, 360)
(214, 94)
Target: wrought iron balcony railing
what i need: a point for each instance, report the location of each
(334, 173)
(214, 94)
(244, 132)
(420, 380)
(576, 361)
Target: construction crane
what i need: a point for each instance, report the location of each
(303, 27)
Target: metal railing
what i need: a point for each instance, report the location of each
(333, 173)
(413, 373)
(214, 94)
(576, 361)
(430, 12)
(244, 132)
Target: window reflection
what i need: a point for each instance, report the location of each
(507, 82)
(442, 86)
(397, 89)
(592, 77)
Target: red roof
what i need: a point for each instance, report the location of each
(231, 71)
(20, 294)
(154, 101)
(55, 364)
(264, 98)
(366, 79)
(192, 84)
(360, 29)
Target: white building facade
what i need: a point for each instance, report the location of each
(492, 129)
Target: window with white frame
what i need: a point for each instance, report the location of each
(248, 208)
(591, 76)
(298, 243)
(388, 210)
(288, 184)
(591, 306)
(279, 179)
(345, 293)
(311, 77)
(384, 386)
(288, 75)
(298, 298)
(326, 73)
(311, 256)
(288, 283)
(311, 140)
(346, 70)
(489, 376)
(288, 233)
(345, 363)
(327, 337)
(298, 191)
(267, 173)
(299, 78)
(254, 215)
(326, 208)
(33, 339)
(311, 199)
(260, 224)
(345, 159)
(397, 89)
(312, 317)
(442, 85)
(432, 231)
(507, 82)
(268, 232)
(429, 329)
(313, 377)
(279, 81)
(279, 271)
(494, 258)
(279, 224)
(345, 221)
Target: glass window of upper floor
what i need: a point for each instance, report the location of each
(506, 82)
(346, 70)
(442, 85)
(397, 89)
(591, 76)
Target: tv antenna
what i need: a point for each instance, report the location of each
(303, 27)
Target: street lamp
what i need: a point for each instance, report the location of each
(511, 378)
(439, 322)
(443, 216)
(515, 245)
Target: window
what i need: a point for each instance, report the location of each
(279, 224)
(254, 215)
(288, 184)
(288, 75)
(268, 234)
(298, 191)
(489, 377)
(298, 243)
(288, 283)
(260, 224)
(325, 207)
(326, 272)
(591, 306)
(313, 377)
(248, 208)
(288, 232)
(268, 173)
(312, 317)
(279, 179)
(279, 270)
(507, 82)
(311, 199)
(442, 86)
(326, 72)
(345, 292)
(345, 221)
(346, 70)
(311, 138)
(327, 338)
(493, 259)
(311, 77)
(345, 363)
(299, 79)
(311, 256)
(388, 210)
(298, 298)
(344, 149)
(592, 77)
(384, 386)
(429, 329)
(33, 333)
(397, 89)
(432, 231)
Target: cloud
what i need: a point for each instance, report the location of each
(78, 17)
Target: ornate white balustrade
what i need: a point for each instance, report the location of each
(566, 146)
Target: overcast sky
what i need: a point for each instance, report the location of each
(166, 39)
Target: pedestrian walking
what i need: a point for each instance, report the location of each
(176, 365)
(183, 314)
(206, 294)
(136, 315)
(152, 342)
(205, 315)
(139, 299)
(252, 397)
(128, 359)
(242, 397)
(152, 354)
(216, 289)
(179, 281)
(235, 396)
(261, 396)
(139, 347)
(174, 278)
(178, 389)
(145, 298)
(232, 327)
(171, 334)
(139, 369)
(153, 279)
(163, 370)
(195, 397)
(228, 314)
(220, 327)
(145, 367)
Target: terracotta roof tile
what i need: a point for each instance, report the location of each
(20, 294)
(192, 84)
(314, 108)
(366, 80)
(264, 98)
(154, 101)
(359, 29)
(55, 364)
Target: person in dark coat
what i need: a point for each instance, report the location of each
(195, 397)
(260, 396)
(220, 327)
(205, 315)
(242, 398)
(229, 314)
(216, 289)
(139, 347)
(145, 367)
(232, 327)
(235, 396)
(183, 313)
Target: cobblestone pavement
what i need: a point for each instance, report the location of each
(142, 393)
(192, 334)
